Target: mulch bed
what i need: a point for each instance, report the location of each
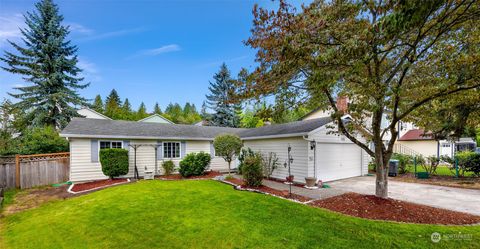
(447, 181)
(96, 184)
(208, 175)
(265, 189)
(372, 207)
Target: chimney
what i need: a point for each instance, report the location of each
(342, 104)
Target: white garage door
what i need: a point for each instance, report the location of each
(338, 161)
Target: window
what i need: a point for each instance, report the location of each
(171, 149)
(446, 145)
(111, 144)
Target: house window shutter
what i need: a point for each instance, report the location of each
(212, 149)
(94, 150)
(126, 145)
(183, 149)
(159, 150)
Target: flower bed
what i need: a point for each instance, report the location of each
(264, 189)
(87, 186)
(372, 207)
(208, 175)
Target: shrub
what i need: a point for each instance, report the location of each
(114, 162)
(269, 163)
(33, 141)
(468, 161)
(404, 162)
(252, 170)
(241, 158)
(227, 146)
(194, 164)
(168, 167)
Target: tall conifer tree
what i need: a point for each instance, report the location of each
(48, 62)
(220, 99)
(98, 104)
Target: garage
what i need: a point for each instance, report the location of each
(338, 161)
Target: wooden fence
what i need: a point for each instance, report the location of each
(26, 171)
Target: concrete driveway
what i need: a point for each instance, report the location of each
(457, 199)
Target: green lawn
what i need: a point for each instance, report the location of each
(205, 214)
(441, 171)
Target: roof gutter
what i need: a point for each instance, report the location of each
(276, 136)
(66, 135)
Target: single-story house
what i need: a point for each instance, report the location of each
(315, 152)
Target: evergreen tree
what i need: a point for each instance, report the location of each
(174, 112)
(98, 104)
(157, 109)
(142, 112)
(48, 62)
(127, 113)
(220, 99)
(112, 105)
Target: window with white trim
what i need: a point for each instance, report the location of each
(171, 149)
(111, 144)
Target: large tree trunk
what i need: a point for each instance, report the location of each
(381, 164)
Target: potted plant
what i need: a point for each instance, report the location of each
(310, 181)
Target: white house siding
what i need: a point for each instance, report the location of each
(280, 146)
(83, 169)
(81, 166)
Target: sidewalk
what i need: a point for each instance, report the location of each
(316, 194)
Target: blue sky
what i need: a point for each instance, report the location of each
(165, 51)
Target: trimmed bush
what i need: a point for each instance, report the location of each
(227, 146)
(468, 161)
(168, 167)
(114, 162)
(252, 170)
(194, 164)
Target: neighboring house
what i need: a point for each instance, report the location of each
(156, 118)
(424, 144)
(89, 113)
(315, 153)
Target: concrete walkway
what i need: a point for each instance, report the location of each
(457, 199)
(316, 194)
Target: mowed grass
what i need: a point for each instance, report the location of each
(441, 171)
(206, 214)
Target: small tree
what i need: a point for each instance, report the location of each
(114, 162)
(227, 146)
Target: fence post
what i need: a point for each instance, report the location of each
(456, 167)
(415, 166)
(17, 171)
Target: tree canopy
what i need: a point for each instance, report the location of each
(389, 58)
(48, 63)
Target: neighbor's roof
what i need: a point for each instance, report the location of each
(81, 127)
(415, 135)
(299, 128)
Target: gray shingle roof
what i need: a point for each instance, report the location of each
(83, 127)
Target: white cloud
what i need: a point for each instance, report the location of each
(162, 50)
(78, 28)
(112, 34)
(90, 70)
(157, 51)
(10, 28)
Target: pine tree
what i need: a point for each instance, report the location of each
(98, 104)
(220, 99)
(142, 111)
(48, 62)
(112, 105)
(127, 113)
(157, 109)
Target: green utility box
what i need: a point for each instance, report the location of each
(423, 175)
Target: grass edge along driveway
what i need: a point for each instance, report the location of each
(205, 214)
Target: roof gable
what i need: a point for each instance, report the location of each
(156, 118)
(416, 135)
